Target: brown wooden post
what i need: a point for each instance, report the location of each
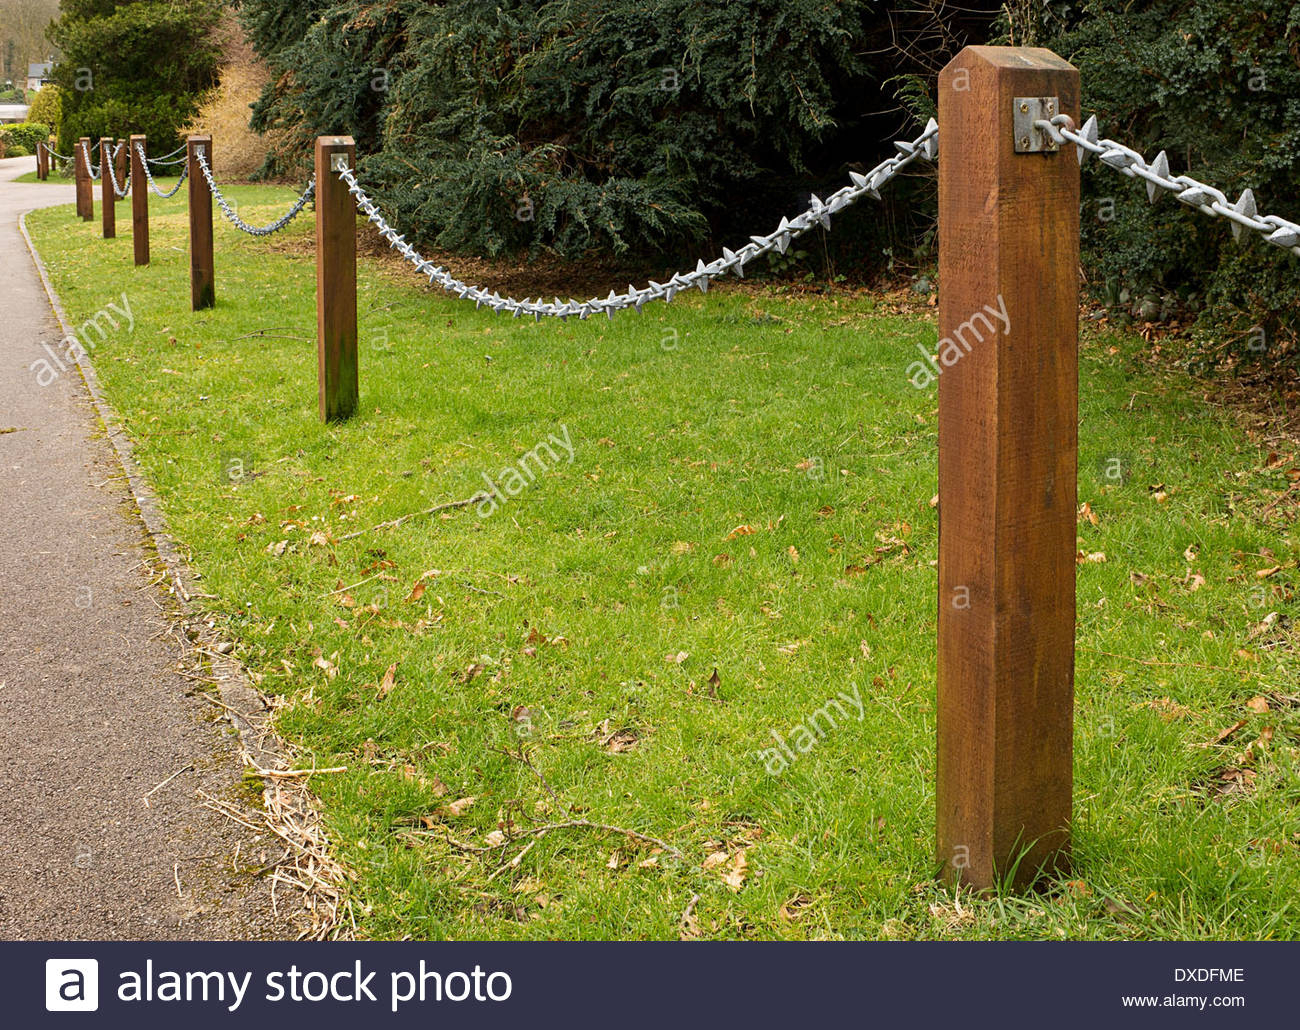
(85, 185)
(40, 160)
(107, 198)
(1008, 399)
(336, 282)
(139, 201)
(202, 272)
(120, 163)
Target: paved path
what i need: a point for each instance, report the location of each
(93, 714)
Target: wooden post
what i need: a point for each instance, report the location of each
(1008, 399)
(120, 162)
(85, 185)
(336, 282)
(202, 272)
(107, 197)
(139, 200)
(40, 160)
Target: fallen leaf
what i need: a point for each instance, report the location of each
(1225, 734)
(714, 860)
(417, 592)
(1257, 704)
(613, 861)
(793, 552)
(714, 681)
(677, 658)
(1095, 558)
(622, 740)
(734, 875)
(277, 549)
(325, 665)
(459, 807)
(494, 839)
(793, 909)
(741, 531)
(390, 677)
(1265, 573)
(682, 547)
(1086, 514)
(722, 560)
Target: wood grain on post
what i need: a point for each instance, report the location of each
(107, 198)
(120, 163)
(1008, 399)
(139, 200)
(85, 185)
(202, 271)
(40, 160)
(336, 282)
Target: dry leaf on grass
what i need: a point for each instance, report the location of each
(390, 678)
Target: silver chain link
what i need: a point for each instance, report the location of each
(112, 177)
(925, 146)
(239, 223)
(144, 163)
(92, 169)
(1205, 198)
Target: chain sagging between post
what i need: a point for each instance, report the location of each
(233, 217)
(121, 191)
(144, 163)
(1205, 198)
(925, 146)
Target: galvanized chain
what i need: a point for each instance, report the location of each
(92, 169)
(239, 223)
(54, 153)
(1244, 215)
(112, 176)
(144, 163)
(925, 146)
(163, 160)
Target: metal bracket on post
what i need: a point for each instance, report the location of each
(338, 162)
(1030, 139)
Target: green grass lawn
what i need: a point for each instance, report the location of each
(749, 503)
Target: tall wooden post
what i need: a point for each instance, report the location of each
(85, 184)
(107, 196)
(40, 160)
(1008, 400)
(336, 281)
(139, 200)
(202, 272)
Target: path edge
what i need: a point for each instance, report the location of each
(260, 744)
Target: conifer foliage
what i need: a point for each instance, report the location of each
(580, 125)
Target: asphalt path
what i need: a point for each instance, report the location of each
(94, 714)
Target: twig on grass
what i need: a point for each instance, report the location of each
(603, 827)
(522, 757)
(288, 774)
(514, 862)
(478, 498)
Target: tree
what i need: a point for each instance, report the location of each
(609, 125)
(1215, 84)
(134, 66)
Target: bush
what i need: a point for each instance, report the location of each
(1215, 84)
(47, 107)
(24, 136)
